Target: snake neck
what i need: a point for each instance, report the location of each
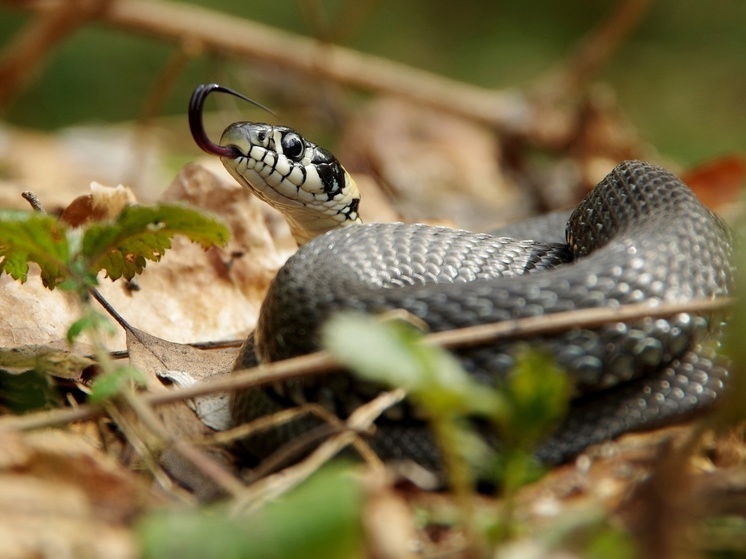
(306, 226)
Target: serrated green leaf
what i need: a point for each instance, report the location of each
(33, 237)
(15, 265)
(143, 233)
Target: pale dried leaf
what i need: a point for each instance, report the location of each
(388, 521)
(213, 410)
(32, 314)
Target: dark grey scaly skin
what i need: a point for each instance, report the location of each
(640, 235)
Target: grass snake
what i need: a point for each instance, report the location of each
(639, 236)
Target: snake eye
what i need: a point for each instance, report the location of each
(292, 145)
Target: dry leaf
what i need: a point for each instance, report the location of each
(103, 203)
(154, 356)
(388, 522)
(32, 314)
(718, 182)
(438, 165)
(81, 501)
(184, 365)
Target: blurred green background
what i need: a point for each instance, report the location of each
(680, 77)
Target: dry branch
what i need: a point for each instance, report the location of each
(22, 57)
(593, 52)
(220, 33)
(321, 362)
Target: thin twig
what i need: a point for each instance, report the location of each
(594, 51)
(277, 484)
(111, 310)
(321, 362)
(33, 199)
(206, 465)
(223, 344)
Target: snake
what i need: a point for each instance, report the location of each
(640, 236)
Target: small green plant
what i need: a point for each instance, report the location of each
(522, 410)
(71, 259)
(322, 518)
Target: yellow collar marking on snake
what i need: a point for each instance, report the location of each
(302, 180)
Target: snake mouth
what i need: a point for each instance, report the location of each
(261, 167)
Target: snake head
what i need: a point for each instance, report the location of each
(297, 177)
(196, 124)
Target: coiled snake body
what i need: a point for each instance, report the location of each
(640, 236)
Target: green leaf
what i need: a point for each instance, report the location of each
(33, 237)
(88, 323)
(111, 384)
(321, 518)
(539, 393)
(394, 355)
(143, 233)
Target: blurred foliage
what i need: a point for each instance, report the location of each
(319, 519)
(32, 390)
(524, 407)
(679, 76)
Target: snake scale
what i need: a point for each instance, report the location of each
(640, 235)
